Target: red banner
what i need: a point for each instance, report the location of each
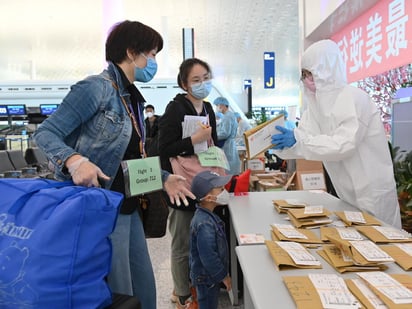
(377, 41)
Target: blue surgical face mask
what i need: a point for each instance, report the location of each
(201, 90)
(147, 73)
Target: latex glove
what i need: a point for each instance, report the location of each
(85, 173)
(284, 139)
(175, 187)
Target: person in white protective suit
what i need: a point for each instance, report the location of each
(226, 134)
(242, 126)
(341, 127)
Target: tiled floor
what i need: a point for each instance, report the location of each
(160, 254)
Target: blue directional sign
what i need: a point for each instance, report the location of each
(247, 83)
(269, 69)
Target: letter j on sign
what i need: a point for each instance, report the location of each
(269, 69)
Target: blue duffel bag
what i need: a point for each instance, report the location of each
(54, 247)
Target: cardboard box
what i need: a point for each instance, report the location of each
(309, 175)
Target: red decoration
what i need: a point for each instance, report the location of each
(382, 88)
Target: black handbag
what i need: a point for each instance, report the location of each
(155, 212)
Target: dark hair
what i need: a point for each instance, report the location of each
(186, 67)
(131, 35)
(149, 106)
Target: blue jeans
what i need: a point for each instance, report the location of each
(132, 272)
(208, 296)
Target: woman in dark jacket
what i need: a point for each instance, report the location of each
(195, 79)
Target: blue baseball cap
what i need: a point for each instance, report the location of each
(205, 181)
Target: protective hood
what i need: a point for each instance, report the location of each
(324, 60)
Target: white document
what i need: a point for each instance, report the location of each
(289, 231)
(371, 251)
(385, 284)
(391, 232)
(354, 216)
(369, 294)
(407, 248)
(310, 210)
(298, 253)
(190, 125)
(349, 233)
(333, 291)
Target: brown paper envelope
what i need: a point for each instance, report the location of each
(274, 236)
(401, 258)
(342, 266)
(325, 231)
(282, 206)
(300, 213)
(280, 209)
(370, 220)
(282, 258)
(311, 237)
(284, 203)
(358, 294)
(303, 292)
(335, 256)
(323, 254)
(308, 223)
(404, 279)
(280, 203)
(377, 237)
(351, 251)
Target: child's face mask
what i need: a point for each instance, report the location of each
(223, 198)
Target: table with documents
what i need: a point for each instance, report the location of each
(254, 213)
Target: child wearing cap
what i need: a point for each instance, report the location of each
(209, 252)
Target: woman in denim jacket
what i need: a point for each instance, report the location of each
(209, 253)
(98, 125)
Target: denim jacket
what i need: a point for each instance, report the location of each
(90, 121)
(209, 252)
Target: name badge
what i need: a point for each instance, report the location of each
(142, 176)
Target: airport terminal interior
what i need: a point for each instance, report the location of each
(255, 50)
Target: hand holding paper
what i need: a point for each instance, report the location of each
(204, 133)
(259, 138)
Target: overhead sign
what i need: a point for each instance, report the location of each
(377, 41)
(269, 69)
(247, 83)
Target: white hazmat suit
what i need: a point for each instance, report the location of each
(341, 127)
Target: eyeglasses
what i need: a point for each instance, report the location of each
(305, 73)
(198, 79)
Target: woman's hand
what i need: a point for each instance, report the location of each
(202, 134)
(84, 172)
(176, 189)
